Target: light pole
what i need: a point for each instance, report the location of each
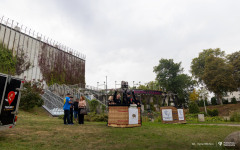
(106, 91)
(100, 85)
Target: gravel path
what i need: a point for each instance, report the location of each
(230, 125)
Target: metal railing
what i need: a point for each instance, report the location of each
(54, 96)
(30, 32)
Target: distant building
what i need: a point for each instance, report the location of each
(230, 95)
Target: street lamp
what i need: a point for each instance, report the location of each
(106, 90)
(100, 85)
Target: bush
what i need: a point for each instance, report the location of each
(152, 107)
(193, 108)
(145, 119)
(213, 101)
(225, 101)
(235, 117)
(93, 117)
(233, 100)
(31, 95)
(191, 117)
(201, 103)
(103, 108)
(213, 112)
(93, 105)
(213, 119)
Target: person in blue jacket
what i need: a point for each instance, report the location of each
(66, 108)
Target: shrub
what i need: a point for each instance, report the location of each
(201, 103)
(11, 64)
(193, 108)
(191, 117)
(145, 119)
(31, 95)
(233, 100)
(213, 101)
(152, 107)
(213, 119)
(213, 112)
(235, 117)
(103, 108)
(93, 105)
(93, 117)
(225, 101)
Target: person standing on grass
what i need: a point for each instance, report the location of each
(81, 105)
(66, 107)
(71, 110)
(75, 109)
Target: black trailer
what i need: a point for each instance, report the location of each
(10, 93)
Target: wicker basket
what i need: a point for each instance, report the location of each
(118, 116)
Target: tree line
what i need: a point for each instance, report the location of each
(212, 70)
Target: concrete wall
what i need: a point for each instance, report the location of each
(20, 40)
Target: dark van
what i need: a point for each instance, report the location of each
(10, 94)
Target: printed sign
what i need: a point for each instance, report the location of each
(133, 115)
(180, 114)
(167, 115)
(11, 96)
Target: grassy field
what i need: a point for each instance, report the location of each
(39, 131)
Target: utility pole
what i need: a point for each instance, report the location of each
(106, 91)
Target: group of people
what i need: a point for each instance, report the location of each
(127, 99)
(71, 108)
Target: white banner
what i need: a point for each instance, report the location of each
(133, 115)
(167, 115)
(180, 114)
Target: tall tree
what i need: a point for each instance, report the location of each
(169, 75)
(211, 69)
(234, 60)
(199, 63)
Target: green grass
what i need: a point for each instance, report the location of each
(40, 131)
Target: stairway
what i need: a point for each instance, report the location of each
(53, 103)
(53, 97)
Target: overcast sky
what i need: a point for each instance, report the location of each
(125, 39)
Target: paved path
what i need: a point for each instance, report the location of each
(230, 125)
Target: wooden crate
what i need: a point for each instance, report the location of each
(118, 116)
(174, 115)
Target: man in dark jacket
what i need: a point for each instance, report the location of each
(129, 99)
